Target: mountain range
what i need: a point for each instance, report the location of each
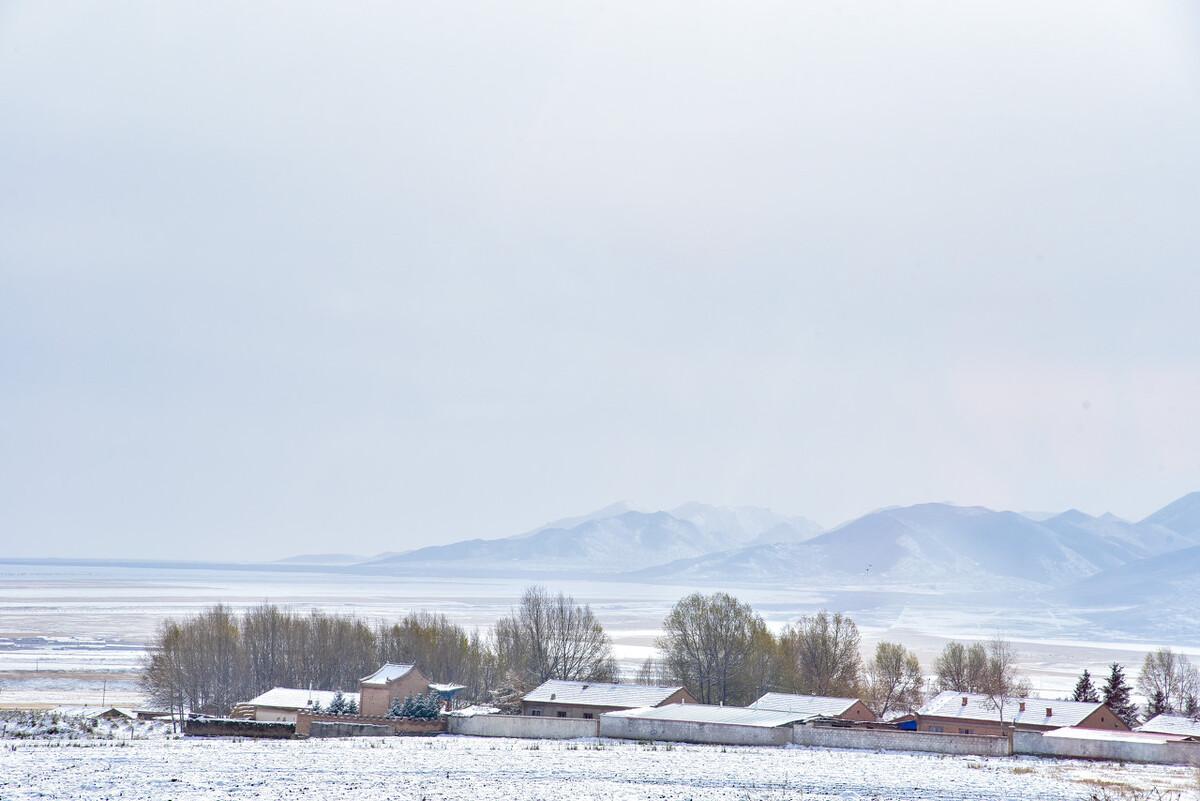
(931, 545)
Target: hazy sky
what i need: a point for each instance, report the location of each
(278, 278)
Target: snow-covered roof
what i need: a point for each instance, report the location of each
(1108, 735)
(389, 672)
(591, 693)
(949, 704)
(290, 698)
(1172, 724)
(706, 713)
(472, 711)
(810, 705)
(93, 711)
(447, 688)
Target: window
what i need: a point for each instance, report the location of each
(937, 729)
(562, 714)
(964, 731)
(537, 713)
(587, 715)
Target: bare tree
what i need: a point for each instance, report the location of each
(1171, 681)
(552, 637)
(711, 643)
(1001, 683)
(821, 655)
(893, 680)
(961, 668)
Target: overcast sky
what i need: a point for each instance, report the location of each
(347, 277)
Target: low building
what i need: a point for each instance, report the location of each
(96, 712)
(816, 706)
(970, 713)
(1184, 725)
(587, 699)
(280, 704)
(391, 681)
(702, 723)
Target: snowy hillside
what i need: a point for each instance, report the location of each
(931, 543)
(1181, 516)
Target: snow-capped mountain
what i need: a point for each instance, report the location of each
(933, 543)
(1181, 516)
(613, 539)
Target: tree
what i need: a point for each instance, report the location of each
(416, 707)
(960, 668)
(1170, 681)
(351, 706)
(396, 708)
(1000, 680)
(552, 637)
(337, 706)
(822, 653)
(1085, 690)
(893, 680)
(712, 645)
(1116, 695)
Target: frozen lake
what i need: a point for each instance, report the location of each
(76, 634)
(461, 768)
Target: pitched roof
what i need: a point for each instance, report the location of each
(809, 705)
(978, 707)
(389, 672)
(291, 698)
(1172, 724)
(706, 713)
(591, 693)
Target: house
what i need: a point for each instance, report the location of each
(389, 682)
(587, 699)
(1172, 724)
(280, 704)
(954, 712)
(816, 706)
(447, 692)
(702, 723)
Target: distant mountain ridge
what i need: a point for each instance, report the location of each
(932, 544)
(614, 539)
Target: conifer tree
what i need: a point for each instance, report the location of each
(351, 706)
(1116, 696)
(338, 705)
(1158, 705)
(396, 709)
(1085, 690)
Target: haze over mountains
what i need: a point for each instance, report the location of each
(932, 546)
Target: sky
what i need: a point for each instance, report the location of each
(354, 277)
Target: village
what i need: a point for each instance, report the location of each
(546, 672)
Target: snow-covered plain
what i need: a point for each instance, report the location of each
(460, 768)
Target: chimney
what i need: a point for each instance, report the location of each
(1049, 711)
(964, 703)
(553, 696)
(1022, 709)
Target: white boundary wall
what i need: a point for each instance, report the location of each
(895, 740)
(681, 731)
(534, 727)
(1033, 743)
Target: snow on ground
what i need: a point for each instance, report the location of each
(474, 769)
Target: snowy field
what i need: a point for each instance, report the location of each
(465, 768)
(76, 634)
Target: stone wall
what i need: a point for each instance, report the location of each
(320, 728)
(233, 727)
(895, 740)
(532, 727)
(401, 726)
(1035, 744)
(679, 731)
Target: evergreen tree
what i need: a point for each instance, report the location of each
(338, 705)
(396, 709)
(1116, 696)
(1158, 705)
(351, 706)
(1085, 690)
(314, 706)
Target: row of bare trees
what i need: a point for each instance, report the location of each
(211, 661)
(715, 645)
